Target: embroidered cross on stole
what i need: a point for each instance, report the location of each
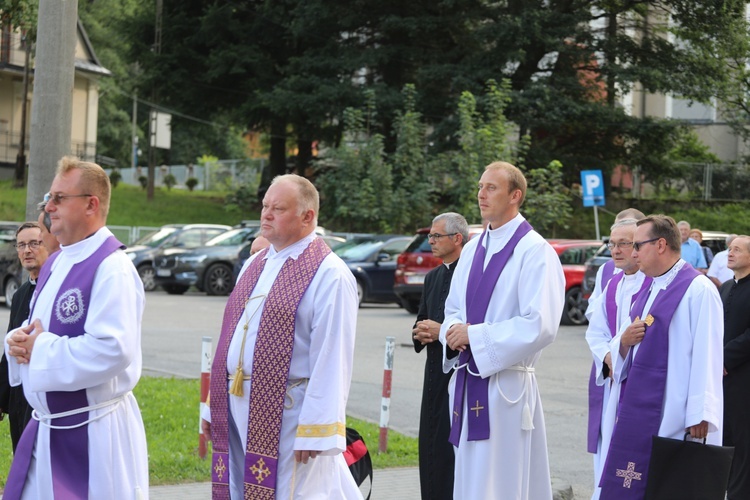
(271, 361)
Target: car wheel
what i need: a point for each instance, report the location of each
(411, 306)
(10, 289)
(218, 280)
(175, 289)
(574, 311)
(360, 292)
(148, 277)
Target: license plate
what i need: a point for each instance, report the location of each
(415, 279)
(163, 272)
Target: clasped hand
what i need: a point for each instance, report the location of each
(21, 341)
(457, 336)
(426, 331)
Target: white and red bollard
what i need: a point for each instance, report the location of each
(205, 384)
(385, 406)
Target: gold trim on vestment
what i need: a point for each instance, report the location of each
(321, 430)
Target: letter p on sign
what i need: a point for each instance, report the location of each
(593, 188)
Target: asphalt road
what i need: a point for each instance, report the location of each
(173, 327)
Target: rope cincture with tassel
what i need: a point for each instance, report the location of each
(239, 378)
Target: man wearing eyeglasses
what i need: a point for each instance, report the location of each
(448, 234)
(504, 307)
(608, 315)
(79, 355)
(667, 360)
(32, 255)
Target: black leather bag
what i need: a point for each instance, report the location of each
(687, 470)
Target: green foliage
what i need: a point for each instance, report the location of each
(191, 183)
(242, 200)
(169, 181)
(114, 177)
(143, 181)
(548, 201)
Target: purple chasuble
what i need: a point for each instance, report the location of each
(69, 448)
(639, 412)
(596, 392)
(479, 290)
(270, 372)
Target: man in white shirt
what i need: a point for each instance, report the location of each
(718, 272)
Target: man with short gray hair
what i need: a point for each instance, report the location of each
(448, 234)
(718, 272)
(690, 250)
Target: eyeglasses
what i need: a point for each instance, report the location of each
(437, 236)
(32, 245)
(58, 198)
(638, 244)
(623, 244)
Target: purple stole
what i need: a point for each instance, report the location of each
(69, 448)
(271, 361)
(608, 271)
(596, 392)
(479, 290)
(640, 409)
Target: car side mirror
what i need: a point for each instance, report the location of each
(383, 257)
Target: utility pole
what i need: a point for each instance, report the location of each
(52, 105)
(152, 118)
(20, 177)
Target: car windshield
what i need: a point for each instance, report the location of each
(357, 250)
(154, 239)
(420, 243)
(231, 237)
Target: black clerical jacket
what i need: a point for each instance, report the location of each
(435, 452)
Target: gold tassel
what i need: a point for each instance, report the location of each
(236, 388)
(526, 421)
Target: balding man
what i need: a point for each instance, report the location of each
(282, 370)
(690, 250)
(668, 360)
(735, 294)
(80, 355)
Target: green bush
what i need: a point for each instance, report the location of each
(143, 180)
(115, 177)
(169, 181)
(191, 183)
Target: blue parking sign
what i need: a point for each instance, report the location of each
(593, 188)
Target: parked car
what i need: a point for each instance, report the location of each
(171, 235)
(209, 268)
(414, 263)
(372, 260)
(573, 256)
(11, 271)
(715, 240)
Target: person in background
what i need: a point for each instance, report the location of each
(735, 294)
(607, 270)
(448, 234)
(697, 235)
(690, 250)
(32, 254)
(258, 244)
(718, 272)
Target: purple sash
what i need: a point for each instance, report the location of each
(271, 362)
(69, 448)
(640, 409)
(608, 271)
(479, 290)
(596, 392)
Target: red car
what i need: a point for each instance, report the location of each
(417, 260)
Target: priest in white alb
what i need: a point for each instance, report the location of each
(503, 308)
(610, 312)
(80, 356)
(282, 369)
(668, 362)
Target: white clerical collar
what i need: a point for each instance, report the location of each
(83, 249)
(294, 250)
(665, 279)
(507, 229)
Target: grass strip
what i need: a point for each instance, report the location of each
(170, 413)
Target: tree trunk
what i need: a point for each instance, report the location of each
(304, 157)
(277, 158)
